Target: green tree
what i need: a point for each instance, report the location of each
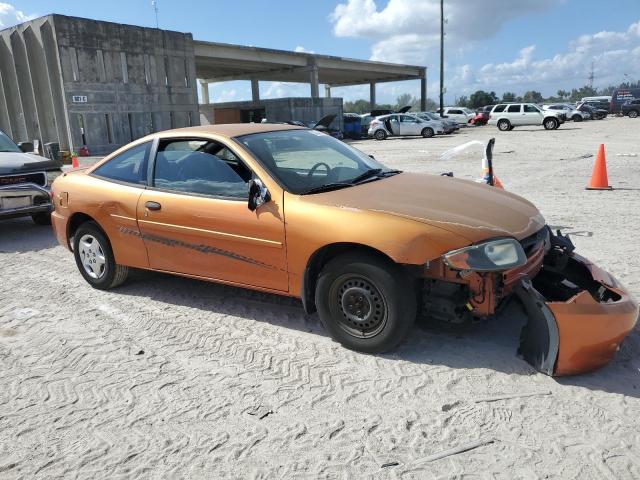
(463, 101)
(357, 106)
(509, 97)
(532, 97)
(563, 94)
(481, 98)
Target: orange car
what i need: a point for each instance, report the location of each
(296, 212)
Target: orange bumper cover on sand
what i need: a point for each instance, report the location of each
(591, 332)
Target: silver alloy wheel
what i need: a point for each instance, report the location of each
(633, 114)
(92, 256)
(550, 124)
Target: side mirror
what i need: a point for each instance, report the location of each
(258, 194)
(25, 147)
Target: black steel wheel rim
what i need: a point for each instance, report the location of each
(358, 307)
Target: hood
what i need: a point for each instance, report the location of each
(325, 121)
(472, 210)
(17, 162)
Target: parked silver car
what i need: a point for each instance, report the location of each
(569, 110)
(403, 124)
(449, 125)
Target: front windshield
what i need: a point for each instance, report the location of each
(7, 145)
(308, 161)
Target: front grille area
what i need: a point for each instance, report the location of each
(38, 178)
(532, 243)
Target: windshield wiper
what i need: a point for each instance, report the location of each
(365, 175)
(326, 188)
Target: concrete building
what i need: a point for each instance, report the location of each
(80, 82)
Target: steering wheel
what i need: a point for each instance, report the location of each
(316, 166)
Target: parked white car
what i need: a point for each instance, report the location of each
(506, 116)
(569, 110)
(460, 115)
(402, 124)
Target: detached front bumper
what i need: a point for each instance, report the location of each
(577, 316)
(24, 199)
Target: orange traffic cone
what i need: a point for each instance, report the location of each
(599, 180)
(74, 161)
(485, 175)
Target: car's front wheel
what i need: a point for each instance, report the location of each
(633, 114)
(95, 259)
(504, 125)
(365, 303)
(428, 132)
(380, 135)
(551, 124)
(577, 118)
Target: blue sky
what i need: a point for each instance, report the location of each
(500, 45)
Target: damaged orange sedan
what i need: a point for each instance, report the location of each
(296, 212)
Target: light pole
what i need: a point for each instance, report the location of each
(441, 58)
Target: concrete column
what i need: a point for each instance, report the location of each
(313, 80)
(52, 61)
(25, 86)
(204, 89)
(11, 91)
(255, 90)
(327, 91)
(423, 91)
(41, 87)
(372, 95)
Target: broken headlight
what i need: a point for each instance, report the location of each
(501, 254)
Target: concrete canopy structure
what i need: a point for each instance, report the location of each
(219, 62)
(80, 82)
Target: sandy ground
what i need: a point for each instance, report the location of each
(172, 378)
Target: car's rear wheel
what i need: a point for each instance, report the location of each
(428, 132)
(577, 118)
(365, 303)
(551, 124)
(41, 218)
(504, 125)
(633, 114)
(380, 135)
(95, 259)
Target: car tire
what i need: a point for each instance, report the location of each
(633, 114)
(511, 127)
(577, 118)
(380, 135)
(366, 304)
(550, 124)
(95, 259)
(504, 125)
(427, 132)
(41, 218)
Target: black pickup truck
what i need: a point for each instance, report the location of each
(25, 181)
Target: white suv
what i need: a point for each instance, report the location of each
(459, 115)
(509, 115)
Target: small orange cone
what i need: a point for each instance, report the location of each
(74, 161)
(599, 180)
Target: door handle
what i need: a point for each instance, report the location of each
(153, 205)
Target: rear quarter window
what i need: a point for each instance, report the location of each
(129, 166)
(499, 108)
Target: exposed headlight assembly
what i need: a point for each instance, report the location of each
(490, 256)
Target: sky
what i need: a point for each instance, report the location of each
(493, 45)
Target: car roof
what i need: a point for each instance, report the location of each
(228, 129)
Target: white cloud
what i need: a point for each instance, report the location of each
(408, 31)
(10, 16)
(301, 49)
(613, 54)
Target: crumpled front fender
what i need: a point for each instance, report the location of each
(578, 315)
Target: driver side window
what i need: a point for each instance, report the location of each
(201, 167)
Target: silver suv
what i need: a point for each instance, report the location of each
(509, 115)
